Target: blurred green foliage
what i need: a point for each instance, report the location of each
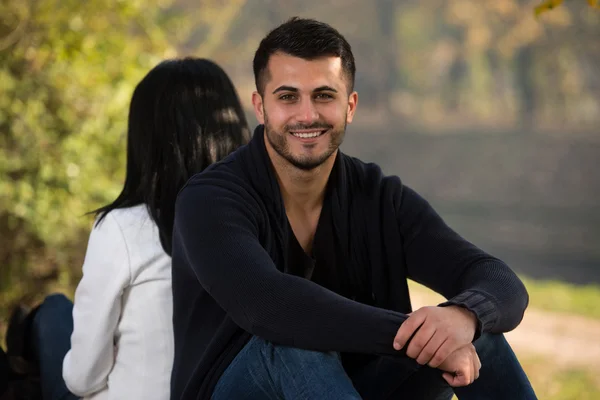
(564, 297)
(67, 72)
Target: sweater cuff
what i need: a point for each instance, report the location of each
(484, 309)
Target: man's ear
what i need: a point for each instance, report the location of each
(257, 104)
(352, 104)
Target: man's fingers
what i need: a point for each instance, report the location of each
(463, 377)
(476, 362)
(477, 365)
(420, 340)
(407, 329)
(430, 348)
(475, 371)
(455, 380)
(445, 349)
(466, 376)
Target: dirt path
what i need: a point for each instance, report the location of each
(568, 340)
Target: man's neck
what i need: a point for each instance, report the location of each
(302, 191)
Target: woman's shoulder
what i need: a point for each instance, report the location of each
(132, 224)
(130, 215)
(139, 235)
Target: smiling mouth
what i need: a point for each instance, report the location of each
(308, 135)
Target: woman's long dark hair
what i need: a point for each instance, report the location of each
(184, 115)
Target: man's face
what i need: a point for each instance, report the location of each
(305, 108)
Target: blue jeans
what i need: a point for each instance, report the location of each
(263, 370)
(51, 331)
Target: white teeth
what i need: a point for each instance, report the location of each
(307, 135)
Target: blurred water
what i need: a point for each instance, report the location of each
(532, 200)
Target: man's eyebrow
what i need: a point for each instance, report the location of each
(285, 88)
(325, 89)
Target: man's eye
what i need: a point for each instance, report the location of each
(324, 96)
(286, 97)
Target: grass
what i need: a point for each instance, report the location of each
(563, 297)
(552, 382)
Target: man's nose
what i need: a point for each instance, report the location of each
(307, 112)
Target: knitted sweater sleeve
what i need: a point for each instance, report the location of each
(97, 309)
(442, 260)
(217, 227)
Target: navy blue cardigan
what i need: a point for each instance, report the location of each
(229, 247)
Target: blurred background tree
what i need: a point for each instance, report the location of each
(67, 73)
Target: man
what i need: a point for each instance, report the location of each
(291, 259)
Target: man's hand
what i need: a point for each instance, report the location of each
(440, 331)
(461, 367)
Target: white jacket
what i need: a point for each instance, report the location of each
(122, 343)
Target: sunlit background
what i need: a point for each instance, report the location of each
(490, 113)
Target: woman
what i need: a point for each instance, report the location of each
(184, 115)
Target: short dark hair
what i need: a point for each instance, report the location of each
(304, 38)
(184, 115)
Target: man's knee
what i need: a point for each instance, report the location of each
(501, 373)
(296, 356)
(493, 348)
(491, 341)
(268, 370)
